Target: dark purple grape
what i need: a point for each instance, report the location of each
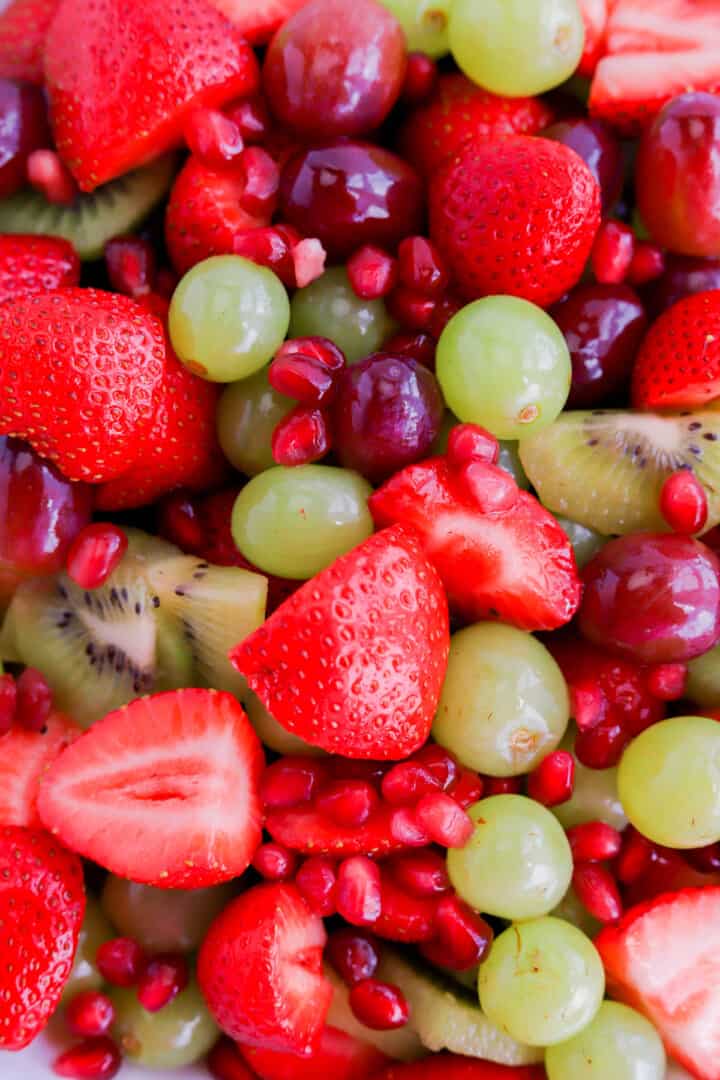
(23, 128)
(683, 276)
(599, 149)
(603, 326)
(386, 414)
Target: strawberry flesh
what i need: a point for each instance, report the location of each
(25, 757)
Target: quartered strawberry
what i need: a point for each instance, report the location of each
(25, 757)
(23, 28)
(122, 76)
(595, 17)
(338, 1056)
(354, 661)
(42, 902)
(454, 1067)
(458, 111)
(260, 970)
(163, 791)
(516, 216)
(678, 365)
(257, 20)
(662, 26)
(36, 264)
(663, 958)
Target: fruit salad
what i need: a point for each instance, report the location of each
(360, 539)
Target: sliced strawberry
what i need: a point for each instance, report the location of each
(678, 365)
(663, 958)
(595, 17)
(36, 264)
(163, 791)
(25, 757)
(354, 661)
(260, 970)
(660, 26)
(453, 1067)
(23, 28)
(339, 1056)
(305, 829)
(257, 20)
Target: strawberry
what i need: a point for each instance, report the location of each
(595, 17)
(23, 28)
(42, 902)
(257, 20)
(303, 828)
(36, 264)
(122, 76)
(663, 958)
(354, 661)
(260, 970)
(678, 365)
(204, 214)
(454, 1067)
(25, 757)
(516, 215)
(338, 1056)
(662, 26)
(458, 111)
(513, 563)
(81, 374)
(163, 791)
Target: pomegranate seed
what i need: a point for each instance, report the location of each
(705, 859)
(683, 502)
(594, 841)
(412, 309)
(597, 891)
(647, 264)
(379, 1005)
(317, 881)
(445, 308)
(94, 553)
(251, 118)
(347, 802)
(301, 437)
(49, 175)
(354, 955)
(405, 829)
(440, 762)
(407, 782)
(467, 789)
(8, 702)
(502, 785)
(464, 935)
(94, 1059)
(444, 820)
(551, 783)
(306, 368)
(421, 873)
(587, 704)
(601, 747)
(420, 266)
(33, 701)
(470, 442)
(225, 1062)
(130, 264)
(213, 137)
(166, 282)
(267, 247)
(120, 961)
(404, 917)
(667, 681)
(492, 490)
(372, 272)
(261, 180)
(420, 78)
(309, 258)
(290, 782)
(163, 978)
(275, 862)
(179, 522)
(635, 856)
(90, 1014)
(358, 890)
(418, 346)
(612, 252)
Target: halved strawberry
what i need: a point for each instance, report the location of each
(629, 88)
(36, 264)
(163, 791)
(454, 1067)
(257, 20)
(678, 365)
(260, 970)
(663, 958)
(595, 17)
(338, 1056)
(23, 28)
(660, 26)
(25, 757)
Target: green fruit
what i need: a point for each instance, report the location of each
(163, 920)
(247, 414)
(585, 542)
(573, 911)
(425, 23)
(179, 1034)
(594, 798)
(509, 459)
(703, 682)
(619, 1043)
(329, 308)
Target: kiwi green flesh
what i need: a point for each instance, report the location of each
(92, 219)
(606, 469)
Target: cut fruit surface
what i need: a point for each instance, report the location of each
(455, 1067)
(304, 829)
(257, 20)
(338, 1055)
(660, 26)
(25, 757)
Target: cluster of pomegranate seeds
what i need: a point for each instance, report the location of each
(25, 700)
(94, 553)
(551, 782)
(683, 502)
(251, 117)
(296, 260)
(307, 370)
(120, 961)
(131, 268)
(462, 937)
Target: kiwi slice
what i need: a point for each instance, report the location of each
(605, 469)
(93, 219)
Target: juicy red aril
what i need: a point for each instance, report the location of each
(268, 247)
(163, 978)
(308, 258)
(594, 841)
(467, 788)
(120, 961)
(94, 1059)
(445, 308)
(354, 955)
(587, 704)
(421, 267)
(491, 489)
(420, 77)
(301, 437)
(95, 553)
(290, 782)
(322, 349)
(470, 442)
(379, 1005)
(8, 702)
(667, 681)
(261, 179)
(405, 828)
(33, 699)
(418, 346)
(422, 873)
(347, 802)
(251, 118)
(275, 862)
(213, 137)
(49, 175)
(635, 856)
(599, 149)
(648, 263)
(597, 891)
(551, 783)
(705, 859)
(90, 1014)
(372, 272)
(683, 502)
(301, 377)
(404, 917)
(601, 747)
(412, 309)
(407, 782)
(179, 522)
(502, 785)
(225, 1062)
(317, 881)
(23, 128)
(444, 820)
(462, 933)
(130, 264)
(358, 890)
(440, 763)
(612, 252)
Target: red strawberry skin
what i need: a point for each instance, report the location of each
(304, 829)
(23, 28)
(663, 958)
(164, 791)
(25, 757)
(595, 17)
(454, 1067)
(458, 111)
(354, 661)
(260, 970)
(339, 1056)
(42, 902)
(516, 216)
(257, 20)
(122, 76)
(678, 365)
(36, 264)
(81, 372)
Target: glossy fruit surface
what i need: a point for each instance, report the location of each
(598, 147)
(162, 920)
(619, 1042)
(425, 23)
(23, 128)
(330, 307)
(180, 1034)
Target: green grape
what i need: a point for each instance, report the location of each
(517, 47)
(425, 23)
(594, 798)
(163, 920)
(669, 782)
(272, 733)
(295, 522)
(585, 542)
(503, 363)
(228, 317)
(509, 459)
(330, 308)
(571, 910)
(95, 930)
(542, 982)
(703, 683)
(504, 704)
(248, 412)
(180, 1034)
(517, 863)
(619, 1043)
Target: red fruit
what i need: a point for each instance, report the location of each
(94, 553)
(90, 1014)
(354, 660)
(347, 802)
(301, 437)
(338, 1056)
(421, 873)
(404, 917)
(406, 829)
(502, 231)
(25, 757)
(678, 366)
(461, 933)
(457, 112)
(120, 961)
(594, 841)
(664, 959)
(453, 1067)
(8, 703)
(551, 782)
(131, 265)
(36, 264)
(275, 862)
(317, 882)
(516, 565)
(50, 176)
(597, 891)
(358, 890)
(353, 954)
(290, 781)
(421, 74)
(669, 871)
(667, 681)
(94, 1059)
(162, 979)
(257, 20)
(595, 16)
(225, 1063)
(612, 252)
(33, 701)
(304, 829)
(306, 368)
(372, 272)
(407, 782)
(213, 137)
(192, 753)
(683, 502)
(42, 902)
(379, 1005)
(173, 57)
(444, 820)
(260, 970)
(23, 28)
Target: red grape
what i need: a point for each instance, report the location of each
(599, 149)
(23, 128)
(683, 276)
